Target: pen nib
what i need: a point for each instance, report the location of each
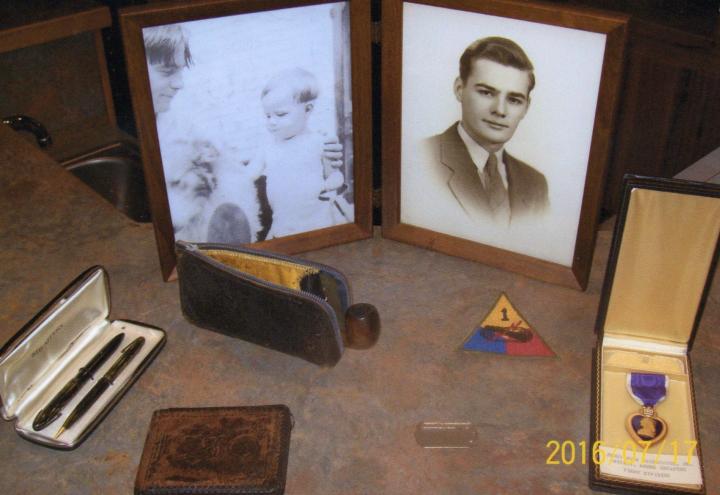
(59, 432)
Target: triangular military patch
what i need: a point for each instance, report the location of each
(505, 331)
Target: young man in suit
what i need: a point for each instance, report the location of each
(493, 88)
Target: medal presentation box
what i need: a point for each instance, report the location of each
(644, 428)
(66, 369)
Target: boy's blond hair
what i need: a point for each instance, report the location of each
(161, 43)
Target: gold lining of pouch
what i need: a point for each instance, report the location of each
(271, 270)
(668, 244)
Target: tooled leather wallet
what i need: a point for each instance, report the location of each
(216, 450)
(294, 306)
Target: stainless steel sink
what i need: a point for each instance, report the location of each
(115, 172)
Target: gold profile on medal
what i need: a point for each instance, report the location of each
(645, 428)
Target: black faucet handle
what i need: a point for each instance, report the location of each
(29, 124)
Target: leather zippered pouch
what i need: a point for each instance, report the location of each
(284, 303)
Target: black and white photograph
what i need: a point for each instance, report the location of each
(497, 125)
(254, 122)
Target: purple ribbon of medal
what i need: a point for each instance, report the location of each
(648, 389)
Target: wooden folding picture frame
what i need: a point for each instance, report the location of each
(251, 123)
(533, 85)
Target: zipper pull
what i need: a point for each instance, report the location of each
(189, 246)
(362, 326)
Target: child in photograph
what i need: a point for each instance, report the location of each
(301, 185)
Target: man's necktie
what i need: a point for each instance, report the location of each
(494, 187)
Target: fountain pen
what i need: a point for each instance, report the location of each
(128, 353)
(52, 411)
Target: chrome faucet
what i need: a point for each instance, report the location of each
(25, 123)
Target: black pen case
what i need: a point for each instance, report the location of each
(49, 351)
(287, 304)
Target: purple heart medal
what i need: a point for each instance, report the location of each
(648, 390)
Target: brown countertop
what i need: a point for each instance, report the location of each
(354, 423)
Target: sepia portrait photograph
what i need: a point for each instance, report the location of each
(254, 122)
(497, 125)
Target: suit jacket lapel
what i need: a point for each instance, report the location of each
(464, 181)
(516, 195)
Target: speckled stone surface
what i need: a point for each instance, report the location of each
(354, 423)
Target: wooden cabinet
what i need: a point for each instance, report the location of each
(669, 114)
(52, 68)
